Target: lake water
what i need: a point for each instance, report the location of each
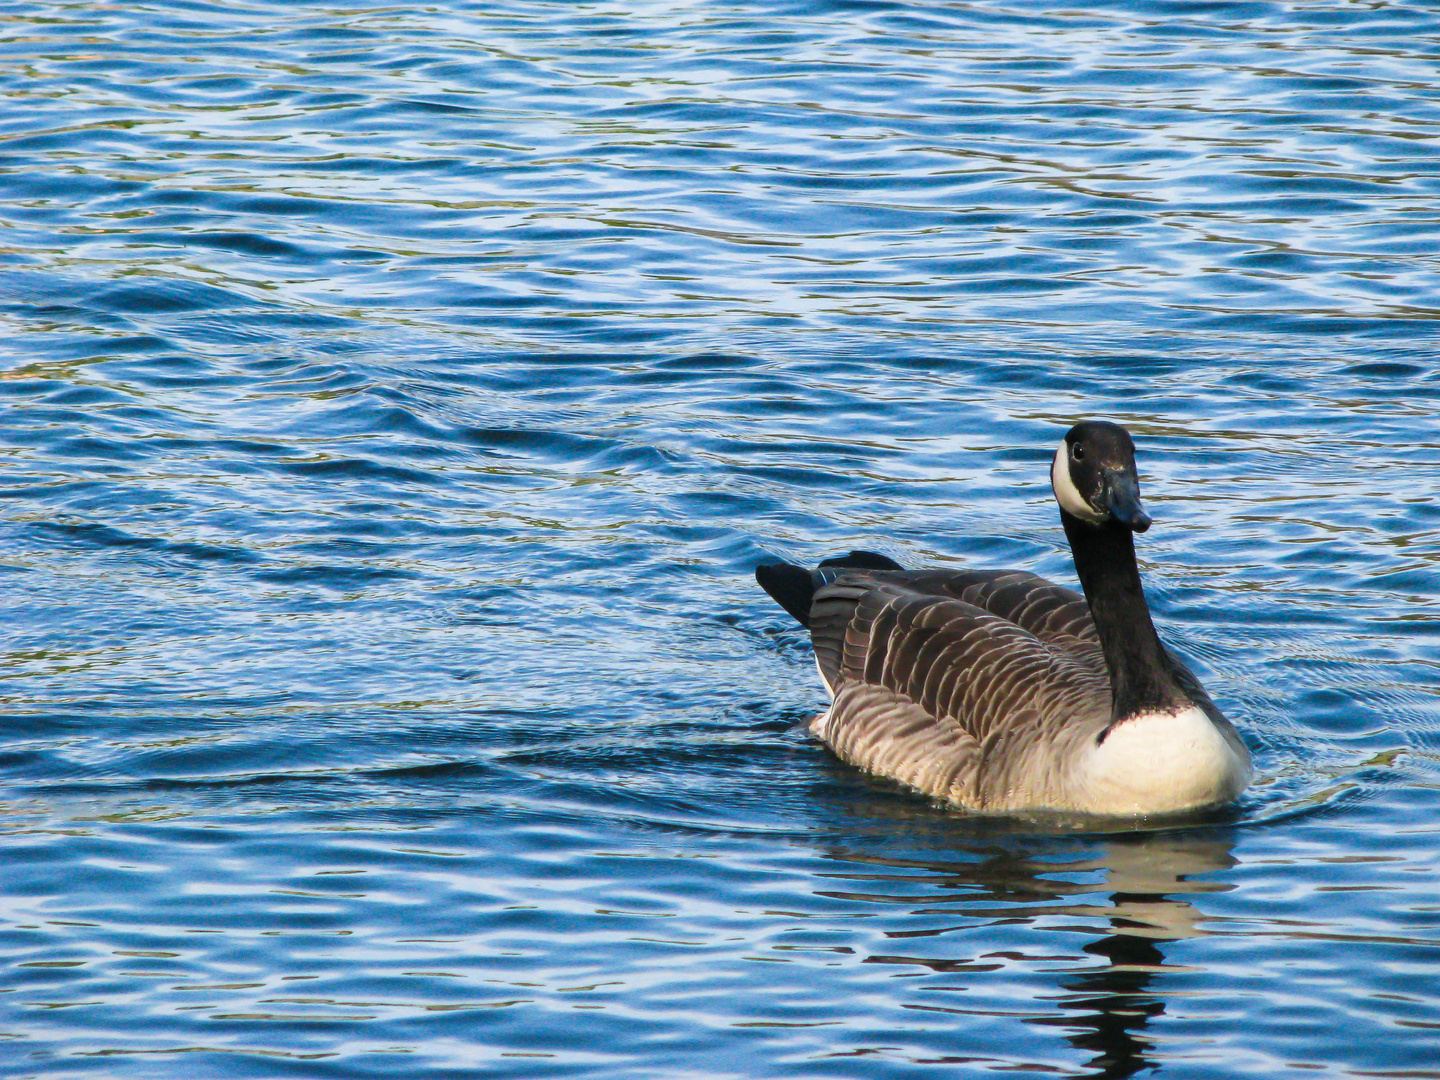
(395, 402)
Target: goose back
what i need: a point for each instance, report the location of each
(959, 683)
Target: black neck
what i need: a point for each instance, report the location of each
(1141, 677)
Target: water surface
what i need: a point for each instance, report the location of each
(395, 402)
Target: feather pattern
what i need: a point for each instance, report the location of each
(945, 680)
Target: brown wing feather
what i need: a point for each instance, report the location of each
(1058, 616)
(955, 697)
(888, 734)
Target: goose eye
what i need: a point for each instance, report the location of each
(1077, 452)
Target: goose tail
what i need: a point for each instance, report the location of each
(790, 586)
(793, 587)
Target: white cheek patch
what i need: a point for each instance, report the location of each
(1067, 495)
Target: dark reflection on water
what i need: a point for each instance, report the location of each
(1113, 1002)
(1117, 1001)
(1136, 892)
(394, 404)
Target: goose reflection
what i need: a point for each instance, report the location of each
(1111, 1006)
(1138, 891)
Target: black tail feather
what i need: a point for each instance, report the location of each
(793, 587)
(790, 586)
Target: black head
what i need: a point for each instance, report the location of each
(1094, 476)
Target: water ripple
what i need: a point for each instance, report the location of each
(395, 402)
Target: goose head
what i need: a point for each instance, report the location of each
(1094, 477)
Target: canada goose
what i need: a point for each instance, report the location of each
(1000, 691)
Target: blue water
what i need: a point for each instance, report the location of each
(394, 403)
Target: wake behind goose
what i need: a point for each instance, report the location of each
(1000, 691)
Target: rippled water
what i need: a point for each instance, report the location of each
(397, 400)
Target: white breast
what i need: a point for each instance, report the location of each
(1161, 763)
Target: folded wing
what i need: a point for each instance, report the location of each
(957, 683)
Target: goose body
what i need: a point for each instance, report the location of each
(1000, 691)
